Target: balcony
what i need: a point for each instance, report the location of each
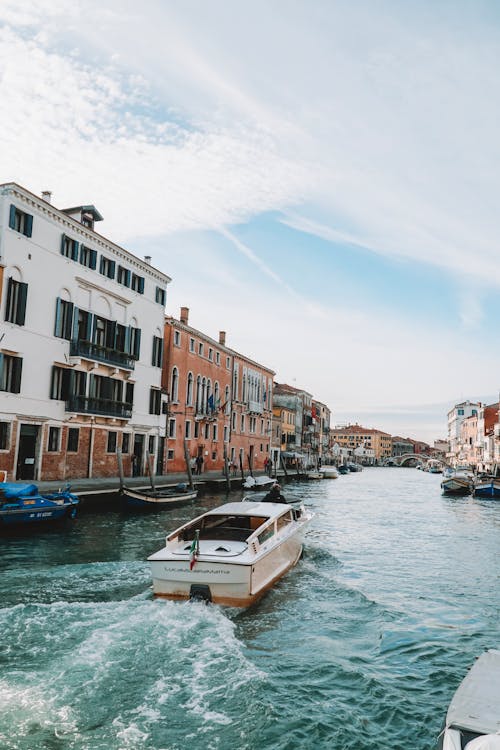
(88, 350)
(255, 407)
(104, 407)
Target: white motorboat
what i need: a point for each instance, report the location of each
(329, 472)
(459, 483)
(258, 483)
(232, 554)
(473, 718)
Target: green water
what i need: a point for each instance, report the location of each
(359, 647)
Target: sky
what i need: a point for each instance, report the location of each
(320, 179)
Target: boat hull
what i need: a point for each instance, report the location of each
(228, 583)
(489, 490)
(13, 517)
(156, 501)
(457, 486)
(22, 504)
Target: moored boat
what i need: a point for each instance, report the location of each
(343, 469)
(473, 718)
(258, 483)
(157, 499)
(329, 472)
(457, 484)
(230, 555)
(23, 504)
(488, 488)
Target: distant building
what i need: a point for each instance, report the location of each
(401, 446)
(455, 418)
(300, 403)
(80, 316)
(354, 436)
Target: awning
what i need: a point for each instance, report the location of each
(291, 454)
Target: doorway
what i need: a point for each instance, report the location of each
(26, 457)
(137, 467)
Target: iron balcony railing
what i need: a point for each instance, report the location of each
(103, 406)
(80, 348)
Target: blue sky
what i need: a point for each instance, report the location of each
(319, 179)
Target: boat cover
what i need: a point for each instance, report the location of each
(11, 490)
(476, 704)
(486, 742)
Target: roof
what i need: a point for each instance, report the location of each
(267, 510)
(84, 209)
(357, 429)
(476, 703)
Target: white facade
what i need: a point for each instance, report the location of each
(455, 418)
(71, 305)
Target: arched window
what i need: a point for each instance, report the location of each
(226, 400)
(216, 395)
(189, 389)
(198, 395)
(203, 396)
(174, 388)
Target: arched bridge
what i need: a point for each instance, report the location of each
(408, 458)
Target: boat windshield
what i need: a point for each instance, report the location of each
(229, 527)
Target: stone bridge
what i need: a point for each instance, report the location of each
(409, 458)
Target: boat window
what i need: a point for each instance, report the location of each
(284, 520)
(266, 534)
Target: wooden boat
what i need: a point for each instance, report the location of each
(314, 475)
(473, 718)
(459, 483)
(23, 504)
(488, 488)
(156, 499)
(343, 469)
(230, 555)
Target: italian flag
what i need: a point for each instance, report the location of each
(194, 550)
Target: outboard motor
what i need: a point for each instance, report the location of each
(200, 592)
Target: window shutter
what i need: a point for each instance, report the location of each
(101, 264)
(93, 259)
(68, 321)
(74, 334)
(63, 242)
(92, 385)
(112, 267)
(153, 353)
(12, 216)
(21, 304)
(141, 285)
(110, 333)
(74, 250)
(2, 387)
(53, 382)
(9, 295)
(128, 276)
(57, 327)
(128, 332)
(17, 368)
(137, 347)
(28, 225)
(129, 393)
(151, 401)
(68, 377)
(106, 388)
(90, 319)
(160, 352)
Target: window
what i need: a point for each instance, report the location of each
(154, 401)
(135, 342)
(151, 445)
(137, 283)
(228, 363)
(111, 448)
(157, 357)
(171, 428)
(200, 349)
(161, 296)
(207, 431)
(187, 429)
(242, 423)
(10, 373)
(217, 358)
(129, 393)
(88, 257)
(226, 433)
(170, 455)
(73, 436)
(125, 442)
(191, 345)
(233, 421)
(15, 308)
(53, 441)
(214, 432)
(20, 221)
(64, 319)
(210, 353)
(123, 276)
(189, 389)
(107, 267)
(177, 338)
(197, 429)
(174, 386)
(4, 435)
(69, 247)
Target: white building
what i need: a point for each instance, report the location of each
(455, 418)
(81, 345)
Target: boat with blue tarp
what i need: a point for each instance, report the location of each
(23, 504)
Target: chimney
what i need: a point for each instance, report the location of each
(47, 195)
(147, 259)
(185, 315)
(222, 338)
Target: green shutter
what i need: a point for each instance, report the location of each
(68, 322)
(57, 327)
(141, 285)
(128, 331)
(137, 346)
(63, 240)
(28, 225)
(12, 216)
(74, 334)
(9, 295)
(17, 368)
(2, 386)
(90, 320)
(112, 267)
(128, 276)
(93, 259)
(21, 304)
(74, 250)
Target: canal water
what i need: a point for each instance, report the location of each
(359, 647)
